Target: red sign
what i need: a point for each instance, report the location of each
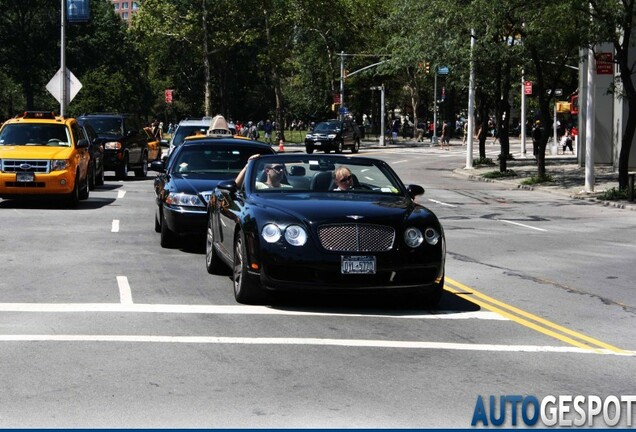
(604, 63)
(336, 98)
(527, 87)
(168, 94)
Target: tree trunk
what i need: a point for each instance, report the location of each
(206, 60)
(503, 121)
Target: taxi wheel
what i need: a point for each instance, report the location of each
(246, 290)
(73, 198)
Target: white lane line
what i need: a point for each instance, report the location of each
(115, 226)
(400, 161)
(441, 203)
(231, 310)
(521, 225)
(121, 193)
(357, 343)
(125, 295)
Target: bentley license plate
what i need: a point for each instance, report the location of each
(357, 264)
(25, 177)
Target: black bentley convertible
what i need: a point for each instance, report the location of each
(302, 222)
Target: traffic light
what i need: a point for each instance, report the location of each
(427, 68)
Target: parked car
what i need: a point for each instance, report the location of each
(41, 154)
(186, 181)
(96, 152)
(308, 235)
(125, 142)
(333, 135)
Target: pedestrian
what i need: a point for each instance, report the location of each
(267, 130)
(465, 128)
(445, 138)
(566, 141)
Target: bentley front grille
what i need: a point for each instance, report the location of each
(356, 237)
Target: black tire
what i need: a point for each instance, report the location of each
(339, 147)
(246, 290)
(142, 171)
(99, 180)
(356, 146)
(92, 180)
(429, 296)
(309, 149)
(213, 263)
(72, 199)
(157, 222)
(121, 172)
(84, 190)
(168, 237)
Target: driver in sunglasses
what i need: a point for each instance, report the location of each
(275, 174)
(342, 178)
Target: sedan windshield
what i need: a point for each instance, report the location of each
(324, 174)
(35, 134)
(106, 126)
(211, 159)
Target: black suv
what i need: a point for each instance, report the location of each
(333, 135)
(124, 140)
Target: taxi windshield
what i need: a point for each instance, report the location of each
(33, 134)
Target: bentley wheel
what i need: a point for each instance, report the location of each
(245, 290)
(430, 296)
(212, 261)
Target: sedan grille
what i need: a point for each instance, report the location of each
(37, 166)
(356, 237)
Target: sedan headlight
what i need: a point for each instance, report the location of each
(308, 136)
(183, 199)
(332, 136)
(112, 145)
(295, 235)
(271, 233)
(60, 164)
(413, 237)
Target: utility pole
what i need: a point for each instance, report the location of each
(64, 80)
(342, 78)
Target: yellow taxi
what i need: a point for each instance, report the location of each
(42, 154)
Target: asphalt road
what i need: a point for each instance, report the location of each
(101, 327)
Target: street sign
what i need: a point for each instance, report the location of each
(78, 11)
(73, 86)
(168, 95)
(442, 70)
(604, 63)
(527, 87)
(336, 98)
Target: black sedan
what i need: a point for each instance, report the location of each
(96, 152)
(184, 186)
(327, 222)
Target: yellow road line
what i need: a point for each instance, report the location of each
(540, 324)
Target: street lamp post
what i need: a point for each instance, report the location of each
(381, 88)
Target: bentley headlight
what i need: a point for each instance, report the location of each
(271, 233)
(59, 164)
(295, 235)
(413, 237)
(183, 199)
(432, 236)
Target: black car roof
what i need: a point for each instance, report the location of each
(225, 140)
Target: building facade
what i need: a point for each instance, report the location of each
(125, 8)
